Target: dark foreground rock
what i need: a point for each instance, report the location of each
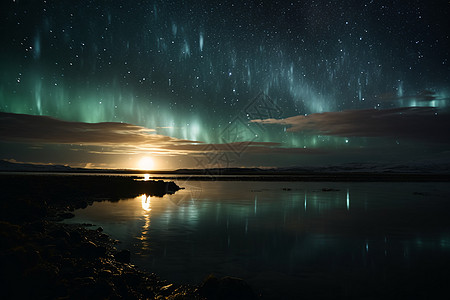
(48, 260)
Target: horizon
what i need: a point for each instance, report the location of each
(430, 168)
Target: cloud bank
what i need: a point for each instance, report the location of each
(420, 123)
(119, 138)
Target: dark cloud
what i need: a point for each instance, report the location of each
(119, 138)
(42, 129)
(424, 123)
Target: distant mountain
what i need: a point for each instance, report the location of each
(417, 167)
(223, 171)
(6, 166)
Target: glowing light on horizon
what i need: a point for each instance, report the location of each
(146, 163)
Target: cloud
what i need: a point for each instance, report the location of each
(423, 123)
(119, 138)
(42, 129)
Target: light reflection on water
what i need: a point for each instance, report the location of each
(147, 208)
(279, 235)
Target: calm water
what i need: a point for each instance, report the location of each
(291, 239)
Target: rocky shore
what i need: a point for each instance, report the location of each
(49, 260)
(42, 258)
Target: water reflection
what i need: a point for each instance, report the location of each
(292, 231)
(146, 204)
(143, 238)
(348, 199)
(146, 207)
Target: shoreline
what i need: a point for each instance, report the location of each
(52, 260)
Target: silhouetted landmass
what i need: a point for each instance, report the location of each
(7, 166)
(52, 192)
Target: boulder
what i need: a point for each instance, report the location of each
(59, 233)
(75, 236)
(91, 250)
(66, 215)
(123, 256)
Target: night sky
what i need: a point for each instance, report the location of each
(224, 83)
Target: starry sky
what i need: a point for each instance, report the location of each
(197, 84)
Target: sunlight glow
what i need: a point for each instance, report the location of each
(146, 163)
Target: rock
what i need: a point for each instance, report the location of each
(60, 291)
(105, 273)
(167, 290)
(101, 251)
(68, 267)
(123, 256)
(172, 186)
(75, 237)
(56, 259)
(102, 289)
(100, 229)
(82, 204)
(66, 215)
(42, 273)
(10, 235)
(91, 250)
(103, 236)
(210, 286)
(83, 281)
(37, 226)
(59, 233)
(61, 244)
(226, 288)
(131, 278)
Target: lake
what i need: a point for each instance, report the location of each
(291, 239)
